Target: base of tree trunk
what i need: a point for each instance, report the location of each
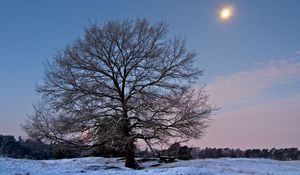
(130, 161)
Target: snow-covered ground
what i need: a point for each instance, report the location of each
(114, 166)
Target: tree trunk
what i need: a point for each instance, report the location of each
(130, 161)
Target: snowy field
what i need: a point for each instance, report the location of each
(114, 166)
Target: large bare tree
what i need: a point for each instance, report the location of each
(119, 83)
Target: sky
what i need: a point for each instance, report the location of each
(251, 62)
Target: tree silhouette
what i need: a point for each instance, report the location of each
(121, 82)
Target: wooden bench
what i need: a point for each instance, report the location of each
(166, 159)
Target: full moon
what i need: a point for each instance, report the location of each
(226, 13)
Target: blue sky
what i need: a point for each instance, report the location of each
(250, 61)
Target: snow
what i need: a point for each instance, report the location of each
(115, 166)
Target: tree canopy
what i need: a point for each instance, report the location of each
(120, 82)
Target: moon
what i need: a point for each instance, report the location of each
(226, 13)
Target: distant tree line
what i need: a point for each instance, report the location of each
(277, 154)
(186, 153)
(35, 149)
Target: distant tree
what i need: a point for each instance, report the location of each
(248, 153)
(61, 152)
(9, 147)
(7, 144)
(264, 153)
(184, 153)
(255, 153)
(121, 82)
(239, 153)
(219, 153)
(174, 149)
(20, 139)
(298, 155)
(195, 152)
(37, 150)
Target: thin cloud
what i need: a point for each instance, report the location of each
(234, 88)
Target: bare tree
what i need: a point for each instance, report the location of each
(121, 82)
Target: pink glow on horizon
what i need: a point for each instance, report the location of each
(266, 125)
